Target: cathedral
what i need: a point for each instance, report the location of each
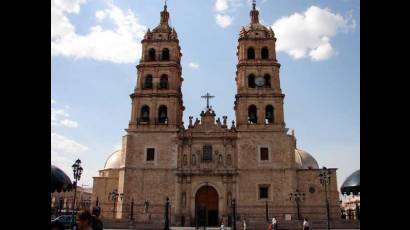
(203, 166)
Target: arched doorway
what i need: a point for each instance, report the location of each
(206, 206)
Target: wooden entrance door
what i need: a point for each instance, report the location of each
(206, 206)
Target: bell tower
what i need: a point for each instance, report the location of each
(259, 98)
(157, 98)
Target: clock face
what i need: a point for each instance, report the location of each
(259, 81)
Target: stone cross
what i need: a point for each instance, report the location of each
(207, 96)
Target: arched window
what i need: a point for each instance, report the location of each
(251, 81)
(148, 82)
(267, 80)
(151, 54)
(144, 116)
(269, 117)
(162, 115)
(251, 53)
(265, 53)
(165, 54)
(163, 82)
(252, 115)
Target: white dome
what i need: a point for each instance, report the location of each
(304, 160)
(114, 160)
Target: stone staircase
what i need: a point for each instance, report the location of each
(254, 225)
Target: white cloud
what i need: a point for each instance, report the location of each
(221, 5)
(223, 20)
(100, 15)
(64, 145)
(194, 65)
(53, 101)
(224, 10)
(64, 151)
(69, 123)
(119, 45)
(59, 117)
(309, 34)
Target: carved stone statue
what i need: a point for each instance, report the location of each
(190, 121)
(193, 159)
(224, 120)
(228, 159)
(184, 160)
(183, 199)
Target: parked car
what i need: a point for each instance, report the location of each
(65, 220)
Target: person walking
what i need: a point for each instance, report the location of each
(305, 224)
(84, 220)
(222, 224)
(274, 224)
(97, 224)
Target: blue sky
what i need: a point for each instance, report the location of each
(96, 45)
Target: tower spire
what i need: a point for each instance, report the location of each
(164, 15)
(254, 13)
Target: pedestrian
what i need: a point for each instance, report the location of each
(97, 224)
(84, 220)
(270, 226)
(57, 225)
(305, 224)
(274, 224)
(244, 224)
(222, 225)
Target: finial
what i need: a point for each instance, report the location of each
(164, 15)
(254, 13)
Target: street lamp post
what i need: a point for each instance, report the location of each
(60, 205)
(297, 197)
(166, 227)
(267, 211)
(325, 181)
(132, 209)
(233, 205)
(77, 171)
(113, 196)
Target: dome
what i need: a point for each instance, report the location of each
(114, 160)
(351, 184)
(304, 160)
(59, 180)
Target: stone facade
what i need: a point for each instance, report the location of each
(63, 201)
(251, 160)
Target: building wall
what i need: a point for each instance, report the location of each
(83, 200)
(102, 186)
